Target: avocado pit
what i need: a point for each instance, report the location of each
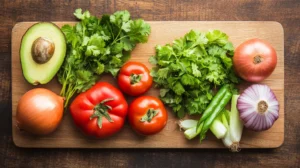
(42, 50)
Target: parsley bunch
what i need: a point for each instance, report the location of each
(188, 70)
(98, 45)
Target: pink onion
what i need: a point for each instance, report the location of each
(258, 107)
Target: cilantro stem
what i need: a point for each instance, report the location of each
(62, 92)
(123, 37)
(116, 37)
(69, 95)
(188, 71)
(70, 92)
(66, 78)
(110, 29)
(120, 39)
(203, 49)
(79, 71)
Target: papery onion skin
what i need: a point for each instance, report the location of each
(39, 111)
(248, 107)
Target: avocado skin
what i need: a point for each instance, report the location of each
(36, 73)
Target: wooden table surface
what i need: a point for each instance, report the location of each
(287, 12)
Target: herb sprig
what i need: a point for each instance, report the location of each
(98, 45)
(188, 70)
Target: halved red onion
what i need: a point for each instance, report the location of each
(258, 107)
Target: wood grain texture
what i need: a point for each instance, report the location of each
(287, 12)
(67, 136)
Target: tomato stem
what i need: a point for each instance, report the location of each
(134, 78)
(149, 115)
(101, 110)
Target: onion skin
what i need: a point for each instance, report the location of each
(39, 111)
(244, 60)
(249, 109)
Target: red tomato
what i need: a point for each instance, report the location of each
(100, 111)
(134, 78)
(147, 115)
(254, 60)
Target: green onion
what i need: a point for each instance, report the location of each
(187, 124)
(218, 128)
(190, 133)
(218, 109)
(235, 128)
(215, 101)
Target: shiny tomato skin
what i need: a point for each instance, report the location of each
(254, 60)
(141, 86)
(82, 108)
(139, 107)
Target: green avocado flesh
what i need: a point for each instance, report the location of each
(42, 35)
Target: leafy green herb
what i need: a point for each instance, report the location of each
(96, 46)
(188, 70)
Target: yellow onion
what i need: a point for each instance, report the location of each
(39, 111)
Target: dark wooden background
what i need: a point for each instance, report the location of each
(287, 12)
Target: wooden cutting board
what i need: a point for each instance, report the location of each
(68, 136)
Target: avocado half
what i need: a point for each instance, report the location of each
(42, 52)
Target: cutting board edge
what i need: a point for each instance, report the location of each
(16, 143)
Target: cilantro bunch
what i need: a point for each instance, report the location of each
(188, 70)
(98, 45)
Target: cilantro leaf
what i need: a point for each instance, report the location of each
(187, 79)
(99, 69)
(152, 60)
(178, 88)
(195, 70)
(163, 92)
(82, 16)
(139, 31)
(119, 17)
(96, 45)
(117, 48)
(127, 44)
(162, 73)
(187, 70)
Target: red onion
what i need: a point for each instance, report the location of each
(258, 107)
